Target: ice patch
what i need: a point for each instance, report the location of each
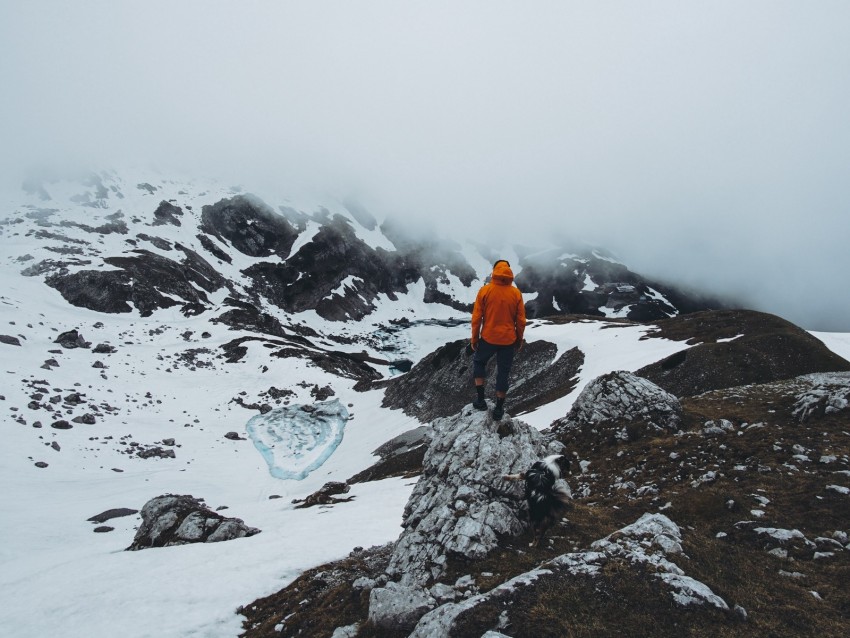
(295, 440)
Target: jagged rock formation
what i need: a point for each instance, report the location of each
(441, 383)
(461, 505)
(650, 543)
(826, 394)
(620, 397)
(739, 347)
(250, 226)
(147, 280)
(589, 282)
(178, 520)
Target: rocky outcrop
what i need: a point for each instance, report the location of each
(622, 398)
(167, 213)
(646, 546)
(461, 505)
(250, 226)
(178, 520)
(146, 280)
(441, 383)
(739, 347)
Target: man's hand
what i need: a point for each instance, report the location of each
(518, 344)
(471, 347)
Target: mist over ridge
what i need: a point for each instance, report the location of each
(706, 146)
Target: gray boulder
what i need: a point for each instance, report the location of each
(178, 520)
(398, 607)
(622, 396)
(461, 504)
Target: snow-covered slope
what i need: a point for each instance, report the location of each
(171, 385)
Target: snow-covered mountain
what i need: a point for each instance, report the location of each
(183, 337)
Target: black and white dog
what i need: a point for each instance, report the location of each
(548, 497)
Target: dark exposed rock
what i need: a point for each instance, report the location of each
(101, 529)
(113, 513)
(326, 495)
(160, 243)
(561, 282)
(400, 456)
(61, 424)
(12, 341)
(142, 280)
(249, 225)
(86, 419)
(441, 383)
(323, 393)
(234, 436)
(104, 348)
(71, 339)
(619, 399)
(167, 213)
(177, 520)
(213, 248)
(40, 464)
(757, 348)
(156, 452)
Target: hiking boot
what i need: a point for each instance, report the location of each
(498, 412)
(479, 404)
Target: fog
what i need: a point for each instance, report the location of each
(707, 144)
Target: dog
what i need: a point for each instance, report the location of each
(547, 495)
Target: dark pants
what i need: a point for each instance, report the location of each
(504, 359)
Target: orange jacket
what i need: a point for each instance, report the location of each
(499, 313)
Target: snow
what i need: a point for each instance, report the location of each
(298, 439)
(589, 286)
(607, 347)
(838, 342)
(56, 575)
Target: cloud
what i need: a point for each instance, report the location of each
(708, 144)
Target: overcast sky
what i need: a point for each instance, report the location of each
(706, 143)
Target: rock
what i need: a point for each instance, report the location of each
(249, 225)
(168, 442)
(104, 348)
(156, 451)
(461, 505)
(61, 424)
(12, 341)
(349, 631)
(71, 339)
(397, 607)
(41, 464)
(87, 419)
(435, 386)
(234, 436)
(103, 528)
(144, 279)
(619, 397)
(113, 513)
(98, 364)
(167, 213)
(325, 495)
(178, 520)
(75, 398)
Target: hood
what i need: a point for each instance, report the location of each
(502, 274)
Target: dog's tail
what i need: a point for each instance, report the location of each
(562, 493)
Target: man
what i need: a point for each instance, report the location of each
(498, 323)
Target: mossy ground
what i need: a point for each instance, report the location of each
(751, 464)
